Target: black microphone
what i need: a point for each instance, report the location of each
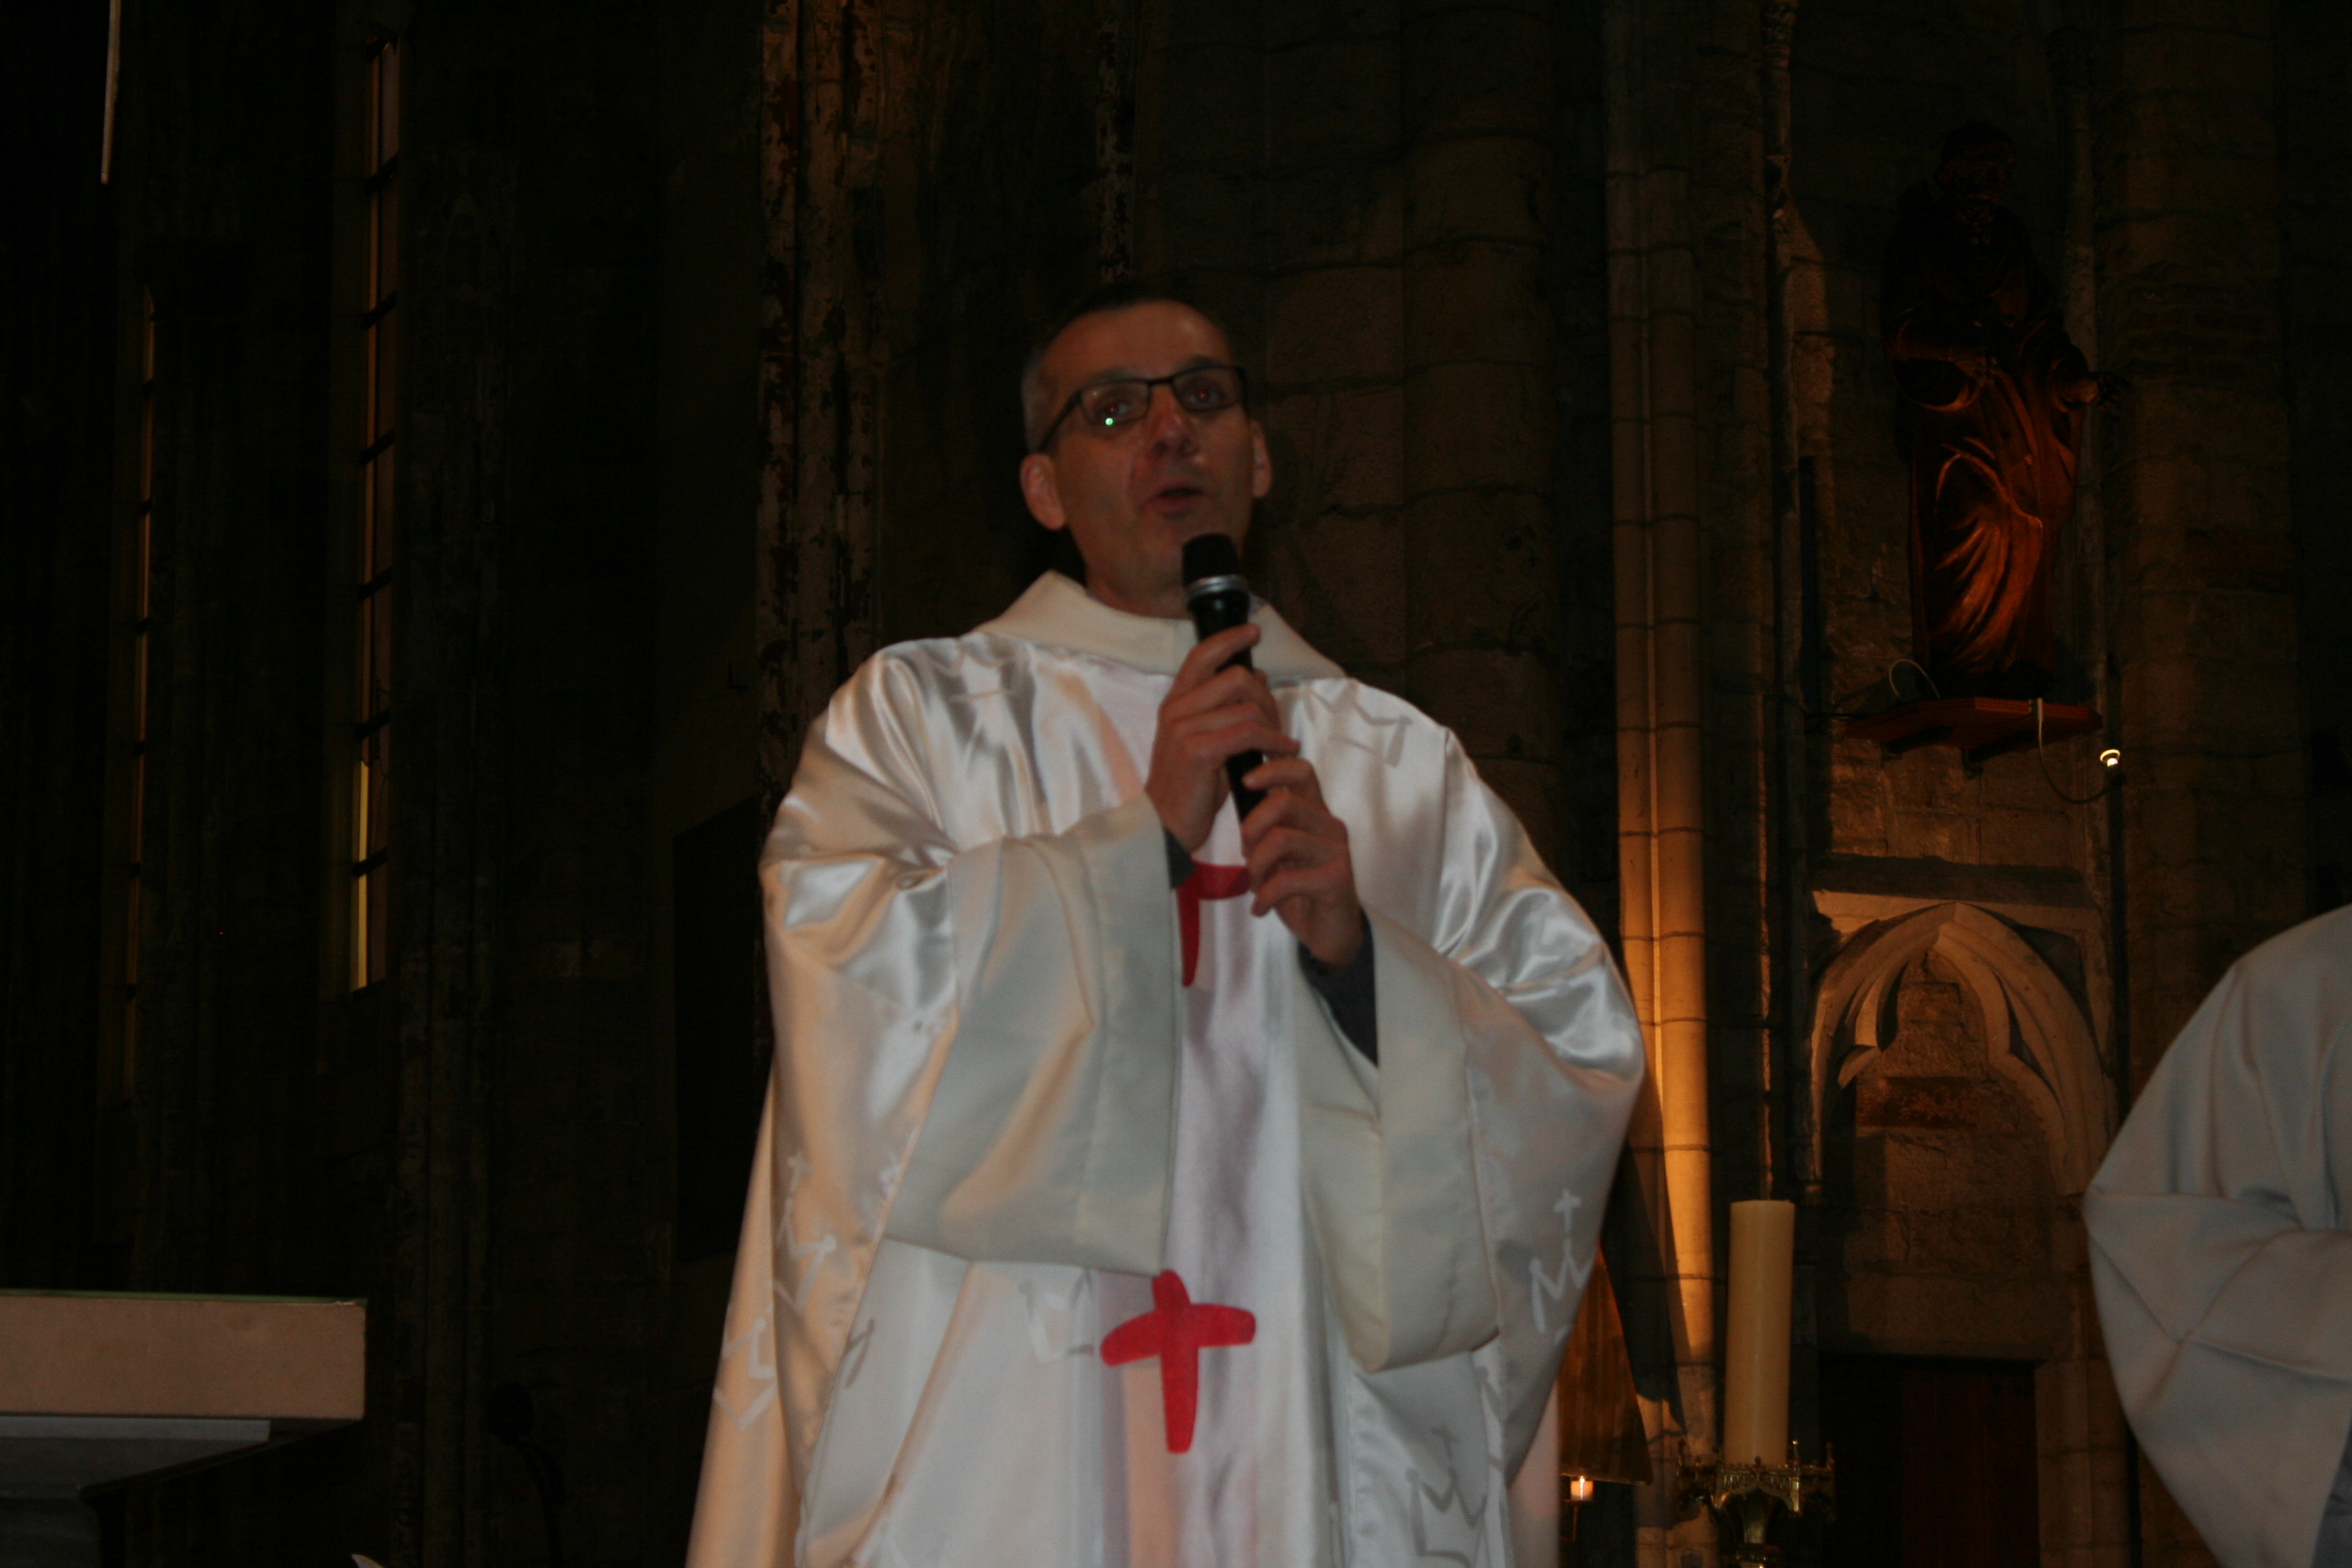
(1218, 596)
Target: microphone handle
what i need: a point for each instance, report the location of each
(1245, 798)
(1241, 765)
(1218, 605)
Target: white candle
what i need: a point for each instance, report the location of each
(1756, 1359)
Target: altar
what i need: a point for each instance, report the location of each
(99, 1391)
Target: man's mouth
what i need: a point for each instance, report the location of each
(1174, 495)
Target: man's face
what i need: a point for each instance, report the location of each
(1130, 497)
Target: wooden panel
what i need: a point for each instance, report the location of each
(1936, 1463)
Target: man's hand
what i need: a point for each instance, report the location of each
(1299, 861)
(1209, 715)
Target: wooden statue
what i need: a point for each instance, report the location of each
(1993, 398)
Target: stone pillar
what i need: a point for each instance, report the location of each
(462, 289)
(2196, 491)
(2314, 48)
(1654, 461)
(1201, 128)
(2202, 564)
(819, 377)
(1330, 209)
(1477, 391)
(2084, 1475)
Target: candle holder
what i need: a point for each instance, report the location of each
(1749, 1495)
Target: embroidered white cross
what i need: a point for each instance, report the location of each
(794, 1250)
(753, 1369)
(1555, 1285)
(1448, 1501)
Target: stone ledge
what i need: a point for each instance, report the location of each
(1950, 881)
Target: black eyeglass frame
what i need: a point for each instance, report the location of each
(1241, 381)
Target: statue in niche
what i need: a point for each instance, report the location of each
(1993, 399)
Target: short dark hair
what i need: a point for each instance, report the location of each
(1102, 300)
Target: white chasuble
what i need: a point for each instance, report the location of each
(2222, 1260)
(1078, 1235)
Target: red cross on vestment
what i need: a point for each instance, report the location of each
(1206, 882)
(1176, 1331)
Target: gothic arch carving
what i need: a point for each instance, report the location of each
(2035, 1034)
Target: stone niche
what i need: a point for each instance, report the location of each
(1956, 1078)
(1955, 1075)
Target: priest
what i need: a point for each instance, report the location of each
(1140, 1184)
(2223, 1265)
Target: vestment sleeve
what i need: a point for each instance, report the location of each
(1457, 1188)
(997, 1019)
(975, 1053)
(2222, 1273)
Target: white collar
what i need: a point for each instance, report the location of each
(1057, 612)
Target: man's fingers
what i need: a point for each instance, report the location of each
(1315, 885)
(1292, 800)
(1211, 738)
(1216, 689)
(1293, 774)
(1208, 657)
(1285, 846)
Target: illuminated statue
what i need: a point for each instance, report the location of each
(1993, 397)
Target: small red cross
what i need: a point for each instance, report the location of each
(1206, 882)
(1176, 1331)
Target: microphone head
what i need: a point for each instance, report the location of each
(1211, 555)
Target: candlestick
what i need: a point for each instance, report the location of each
(1756, 1391)
(1747, 1496)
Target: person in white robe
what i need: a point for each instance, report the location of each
(2222, 1262)
(1139, 1187)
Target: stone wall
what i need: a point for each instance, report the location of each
(1395, 207)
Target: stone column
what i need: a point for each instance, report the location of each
(1330, 209)
(819, 377)
(2313, 47)
(2084, 1475)
(2196, 491)
(2202, 571)
(1655, 460)
(1478, 391)
(462, 289)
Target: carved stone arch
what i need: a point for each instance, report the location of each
(2035, 1034)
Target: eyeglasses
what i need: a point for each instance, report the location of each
(1108, 407)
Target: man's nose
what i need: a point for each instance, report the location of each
(1166, 424)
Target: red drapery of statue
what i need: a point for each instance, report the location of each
(1993, 396)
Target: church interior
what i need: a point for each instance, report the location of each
(452, 452)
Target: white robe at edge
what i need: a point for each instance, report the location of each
(998, 1113)
(2221, 1260)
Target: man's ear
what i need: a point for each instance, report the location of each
(1039, 489)
(1261, 465)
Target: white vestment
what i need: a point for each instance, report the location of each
(999, 1112)
(2219, 1251)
